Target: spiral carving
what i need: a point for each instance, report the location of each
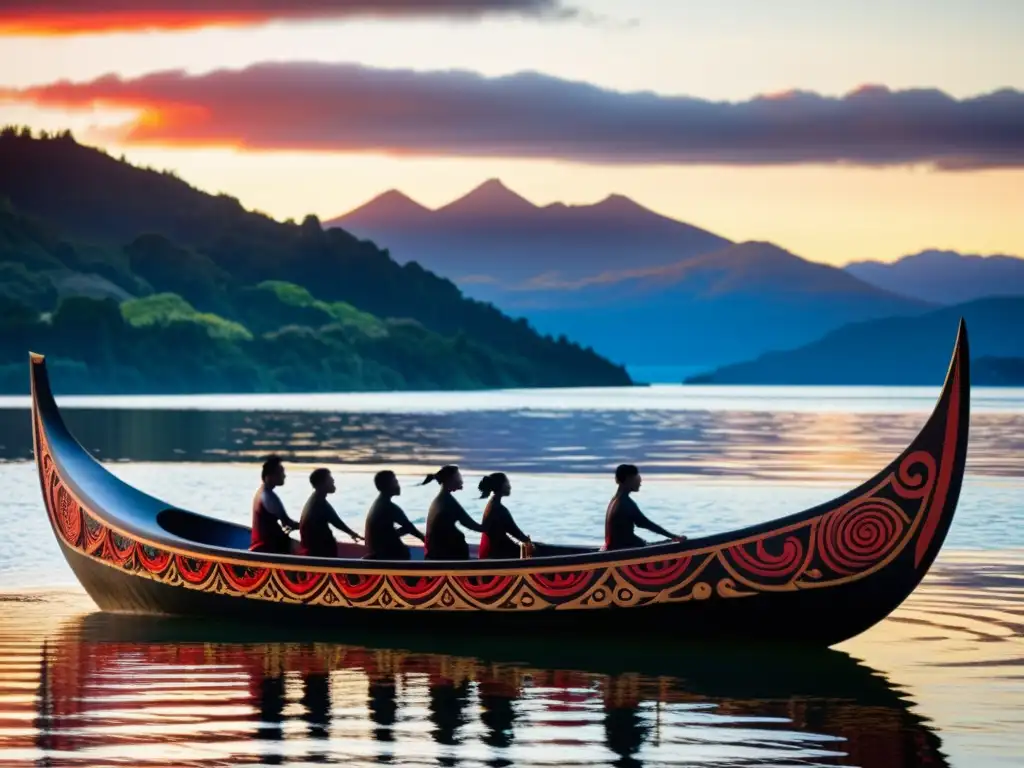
(915, 476)
(727, 588)
(855, 538)
(764, 563)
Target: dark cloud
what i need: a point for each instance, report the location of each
(70, 17)
(349, 108)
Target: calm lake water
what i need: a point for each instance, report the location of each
(941, 682)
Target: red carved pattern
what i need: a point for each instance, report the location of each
(68, 516)
(153, 560)
(416, 588)
(563, 584)
(857, 537)
(356, 585)
(484, 587)
(944, 478)
(783, 563)
(300, 583)
(662, 573)
(244, 578)
(193, 570)
(95, 535)
(915, 476)
(119, 548)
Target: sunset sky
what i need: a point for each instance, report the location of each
(841, 130)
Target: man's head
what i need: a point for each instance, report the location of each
(322, 480)
(386, 482)
(628, 477)
(273, 471)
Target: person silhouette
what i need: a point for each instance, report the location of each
(499, 528)
(386, 523)
(623, 515)
(443, 540)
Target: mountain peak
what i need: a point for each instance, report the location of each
(493, 185)
(397, 197)
(387, 208)
(491, 198)
(762, 251)
(619, 204)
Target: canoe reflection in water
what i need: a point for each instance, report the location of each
(131, 690)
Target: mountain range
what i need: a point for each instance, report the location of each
(637, 286)
(497, 240)
(945, 277)
(648, 290)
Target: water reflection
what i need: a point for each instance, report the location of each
(734, 443)
(382, 705)
(105, 690)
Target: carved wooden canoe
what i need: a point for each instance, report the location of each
(816, 577)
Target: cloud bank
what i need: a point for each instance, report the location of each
(73, 17)
(350, 108)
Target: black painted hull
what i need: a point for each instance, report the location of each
(817, 577)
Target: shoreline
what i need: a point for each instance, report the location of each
(810, 398)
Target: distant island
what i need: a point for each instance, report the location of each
(897, 351)
(132, 281)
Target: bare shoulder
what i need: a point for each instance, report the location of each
(269, 498)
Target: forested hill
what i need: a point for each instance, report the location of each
(104, 265)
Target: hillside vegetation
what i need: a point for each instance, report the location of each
(130, 280)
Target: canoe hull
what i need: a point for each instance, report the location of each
(819, 619)
(817, 577)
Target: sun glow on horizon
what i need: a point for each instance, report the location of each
(833, 213)
(824, 214)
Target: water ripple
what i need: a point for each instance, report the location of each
(93, 689)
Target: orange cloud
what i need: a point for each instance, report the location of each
(350, 108)
(77, 17)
